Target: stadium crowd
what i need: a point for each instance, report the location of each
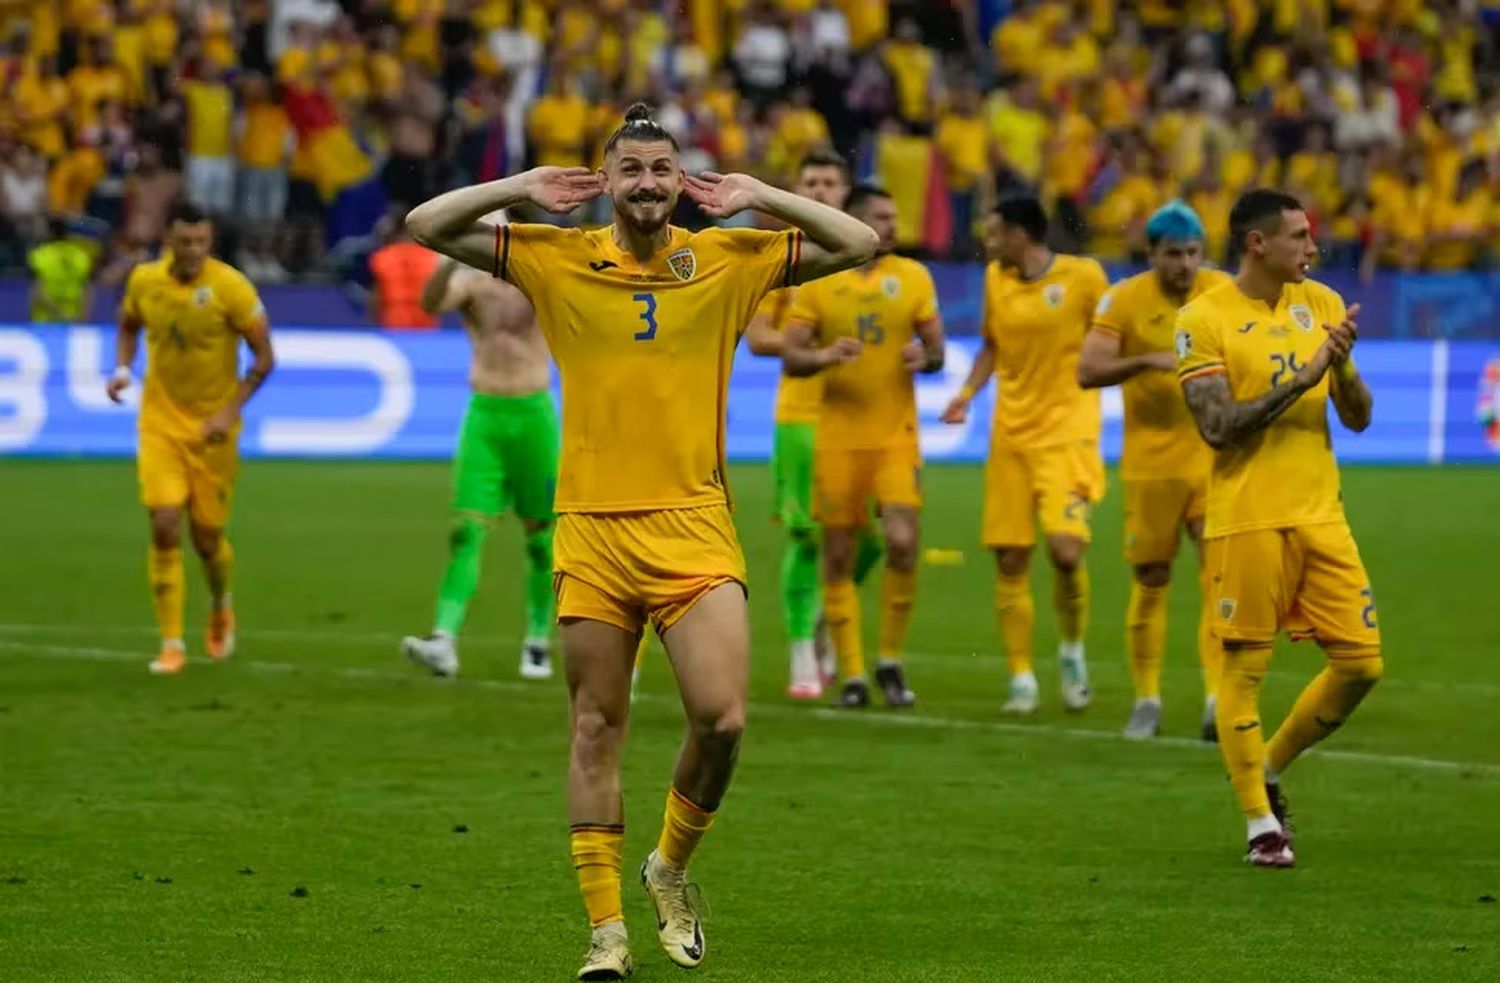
(307, 126)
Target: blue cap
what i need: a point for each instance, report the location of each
(1175, 220)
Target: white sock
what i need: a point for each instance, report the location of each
(804, 662)
(172, 643)
(1149, 701)
(1271, 777)
(1070, 651)
(545, 644)
(1023, 681)
(1261, 825)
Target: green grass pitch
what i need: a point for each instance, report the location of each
(314, 810)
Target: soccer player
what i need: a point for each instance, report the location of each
(195, 311)
(507, 458)
(642, 319)
(823, 177)
(867, 331)
(1044, 464)
(1165, 462)
(1259, 359)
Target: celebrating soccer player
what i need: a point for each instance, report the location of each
(195, 310)
(867, 330)
(822, 177)
(1044, 462)
(1259, 359)
(507, 458)
(643, 319)
(1165, 463)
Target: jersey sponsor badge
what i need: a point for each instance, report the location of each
(202, 296)
(890, 286)
(683, 264)
(1053, 294)
(1183, 343)
(1302, 314)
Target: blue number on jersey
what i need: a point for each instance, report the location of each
(648, 315)
(1284, 364)
(871, 332)
(1368, 614)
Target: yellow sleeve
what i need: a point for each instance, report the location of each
(1095, 283)
(242, 304)
(775, 305)
(805, 307)
(1199, 349)
(767, 259)
(1109, 314)
(927, 302)
(525, 252)
(130, 303)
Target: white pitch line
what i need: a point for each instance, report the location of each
(898, 719)
(953, 658)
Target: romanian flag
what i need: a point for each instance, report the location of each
(328, 155)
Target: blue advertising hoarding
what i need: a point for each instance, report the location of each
(363, 393)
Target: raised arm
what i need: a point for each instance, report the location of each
(836, 240)
(453, 223)
(1223, 420)
(1101, 364)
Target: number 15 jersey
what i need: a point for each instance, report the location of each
(1285, 475)
(644, 351)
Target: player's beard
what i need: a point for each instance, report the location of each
(646, 218)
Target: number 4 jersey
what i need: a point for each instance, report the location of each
(644, 351)
(869, 401)
(1285, 476)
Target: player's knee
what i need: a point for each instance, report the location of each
(901, 545)
(1066, 553)
(595, 735)
(539, 545)
(1013, 560)
(206, 540)
(1364, 668)
(721, 729)
(166, 529)
(467, 531)
(1153, 574)
(838, 555)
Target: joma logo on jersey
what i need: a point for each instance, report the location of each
(683, 264)
(1053, 294)
(1302, 314)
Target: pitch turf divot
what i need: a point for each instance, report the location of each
(779, 710)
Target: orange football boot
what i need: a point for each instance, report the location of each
(218, 641)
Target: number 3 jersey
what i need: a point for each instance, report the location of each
(1285, 475)
(869, 401)
(644, 351)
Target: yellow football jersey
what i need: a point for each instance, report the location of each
(1037, 329)
(797, 398)
(193, 332)
(644, 352)
(1286, 475)
(1161, 439)
(870, 401)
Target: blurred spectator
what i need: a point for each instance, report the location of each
(150, 191)
(60, 269)
(681, 62)
(23, 194)
(210, 122)
(263, 148)
(913, 69)
(761, 55)
(399, 269)
(962, 145)
(74, 176)
(1460, 224)
(1201, 78)
(557, 127)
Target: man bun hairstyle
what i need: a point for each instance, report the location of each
(640, 124)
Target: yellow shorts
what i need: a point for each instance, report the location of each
(1056, 486)
(175, 471)
(1308, 581)
(1156, 510)
(848, 479)
(629, 567)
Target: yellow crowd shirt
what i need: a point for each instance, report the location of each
(798, 398)
(1161, 439)
(1037, 328)
(1284, 476)
(193, 331)
(871, 400)
(210, 117)
(644, 351)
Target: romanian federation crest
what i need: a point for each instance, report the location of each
(1053, 294)
(1183, 344)
(202, 296)
(1302, 314)
(891, 287)
(683, 264)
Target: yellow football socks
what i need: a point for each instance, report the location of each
(841, 610)
(1070, 596)
(1323, 706)
(1015, 614)
(164, 574)
(682, 827)
(1145, 635)
(1240, 738)
(596, 858)
(219, 570)
(1210, 651)
(897, 589)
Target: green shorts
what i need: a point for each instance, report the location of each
(507, 457)
(792, 457)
